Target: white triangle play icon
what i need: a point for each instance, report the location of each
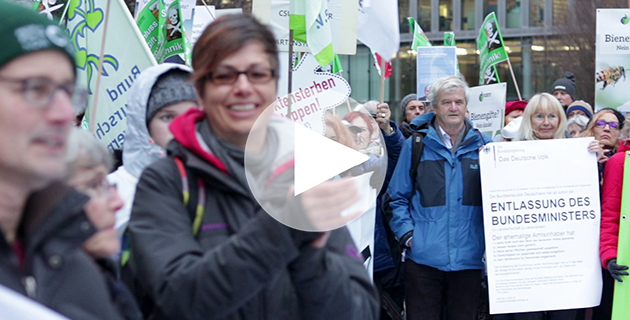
(318, 158)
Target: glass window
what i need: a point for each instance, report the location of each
(490, 6)
(536, 13)
(468, 14)
(446, 15)
(403, 13)
(513, 13)
(424, 15)
(560, 8)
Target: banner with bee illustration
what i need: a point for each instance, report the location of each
(612, 59)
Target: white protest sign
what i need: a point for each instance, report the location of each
(187, 7)
(202, 17)
(342, 13)
(541, 221)
(612, 59)
(122, 55)
(314, 92)
(433, 63)
(15, 306)
(487, 107)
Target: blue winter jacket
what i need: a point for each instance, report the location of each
(441, 208)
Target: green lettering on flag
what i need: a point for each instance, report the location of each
(310, 22)
(491, 47)
(419, 38)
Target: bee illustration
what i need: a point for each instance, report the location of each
(610, 75)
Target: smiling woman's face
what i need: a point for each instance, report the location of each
(233, 108)
(545, 124)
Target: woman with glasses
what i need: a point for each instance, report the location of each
(88, 165)
(544, 119)
(605, 126)
(201, 245)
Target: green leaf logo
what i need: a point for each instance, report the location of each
(481, 97)
(625, 20)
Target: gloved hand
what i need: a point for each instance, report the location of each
(616, 271)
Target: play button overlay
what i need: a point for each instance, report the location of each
(310, 182)
(318, 158)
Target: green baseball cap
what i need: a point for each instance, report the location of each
(24, 31)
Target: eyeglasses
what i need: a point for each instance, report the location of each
(98, 187)
(602, 124)
(226, 75)
(39, 92)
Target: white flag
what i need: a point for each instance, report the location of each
(121, 53)
(378, 27)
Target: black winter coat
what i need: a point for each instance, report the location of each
(58, 274)
(243, 264)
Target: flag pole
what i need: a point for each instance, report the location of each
(382, 82)
(290, 77)
(207, 8)
(518, 92)
(100, 68)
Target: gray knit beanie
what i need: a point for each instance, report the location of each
(408, 98)
(171, 87)
(566, 84)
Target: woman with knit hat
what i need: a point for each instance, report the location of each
(513, 110)
(157, 96)
(579, 107)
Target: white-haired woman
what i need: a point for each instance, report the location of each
(545, 119)
(88, 164)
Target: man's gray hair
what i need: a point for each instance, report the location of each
(447, 85)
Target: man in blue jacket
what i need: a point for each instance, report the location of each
(437, 213)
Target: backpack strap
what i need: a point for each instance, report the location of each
(417, 147)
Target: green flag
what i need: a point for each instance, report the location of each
(310, 22)
(162, 29)
(419, 38)
(449, 41)
(491, 48)
(337, 67)
(622, 290)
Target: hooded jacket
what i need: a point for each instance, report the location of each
(139, 148)
(57, 273)
(440, 207)
(243, 264)
(611, 203)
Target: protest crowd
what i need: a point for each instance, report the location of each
(176, 231)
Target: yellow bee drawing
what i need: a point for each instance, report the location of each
(610, 75)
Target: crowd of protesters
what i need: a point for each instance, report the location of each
(176, 232)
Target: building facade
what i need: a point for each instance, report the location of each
(544, 38)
